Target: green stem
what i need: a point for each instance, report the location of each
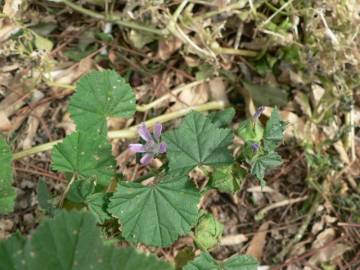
(132, 131)
(114, 19)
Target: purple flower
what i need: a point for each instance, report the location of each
(258, 112)
(255, 147)
(152, 146)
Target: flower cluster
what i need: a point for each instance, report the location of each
(152, 146)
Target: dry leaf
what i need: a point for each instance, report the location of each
(257, 244)
(11, 7)
(5, 124)
(191, 97)
(167, 47)
(230, 240)
(217, 89)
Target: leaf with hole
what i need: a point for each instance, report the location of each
(156, 215)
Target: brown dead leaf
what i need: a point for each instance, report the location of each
(167, 47)
(217, 88)
(12, 7)
(33, 125)
(7, 28)
(67, 124)
(5, 124)
(191, 97)
(257, 244)
(230, 240)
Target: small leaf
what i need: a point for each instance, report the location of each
(97, 204)
(85, 155)
(222, 119)
(7, 191)
(208, 231)
(43, 43)
(81, 189)
(44, 198)
(251, 131)
(183, 257)
(156, 215)
(100, 95)
(197, 142)
(223, 179)
(206, 262)
(274, 131)
(267, 95)
(263, 162)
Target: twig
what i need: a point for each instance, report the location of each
(263, 212)
(301, 230)
(132, 131)
(67, 189)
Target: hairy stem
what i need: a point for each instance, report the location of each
(131, 132)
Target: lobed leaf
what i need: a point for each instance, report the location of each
(156, 215)
(263, 162)
(7, 191)
(237, 262)
(71, 241)
(101, 94)
(208, 231)
(197, 142)
(86, 156)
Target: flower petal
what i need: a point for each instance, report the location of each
(157, 131)
(162, 148)
(145, 133)
(146, 159)
(137, 148)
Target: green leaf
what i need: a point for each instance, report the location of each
(223, 179)
(100, 95)
(11, 252)
(81, 189)
(71, 241)
(242, 262)
(223, 118)
(267, 95)
(7, 191)
(131, 259)
(197, 142)
(97, 204)
(251, 131)
(44, 198)
(85, 155)
(208, 231)
(206, 262)
(203, 262)
(274, 131)
(156, 215)
(263, 162)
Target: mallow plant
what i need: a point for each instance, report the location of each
(154, 210)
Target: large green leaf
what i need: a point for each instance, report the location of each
(7, 191)
(156, 215)
(101, 94)
(197, 142)
(237, 262)
(11, 252)
(71, 241)
(85, 155)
